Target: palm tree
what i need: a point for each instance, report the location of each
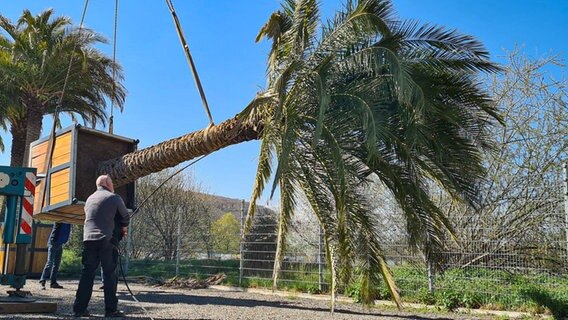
(35, 55)
(371, 98)
(368, 99)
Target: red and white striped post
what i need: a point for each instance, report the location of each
(26, 219)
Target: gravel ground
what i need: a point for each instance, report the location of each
(211, 303)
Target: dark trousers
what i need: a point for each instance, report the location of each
(54, 252)
(95, 252)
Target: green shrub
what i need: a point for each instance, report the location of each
(383, 292)
(471, 300)
(354, 291)
(448, 299)
(314, 290)
(70, 263)
(557, 303)
(424, 296)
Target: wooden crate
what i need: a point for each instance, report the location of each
(77, 153)
(37, 251)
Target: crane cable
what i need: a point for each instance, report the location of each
(114, 39)
(51, 141)
(190, 60)
(110, 130)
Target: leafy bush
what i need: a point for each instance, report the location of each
(424, 296)
(471, 300)
(557, 303)
(314, 290)
(354, 291)
(70, 263)
(448, 299)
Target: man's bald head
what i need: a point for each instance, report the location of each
(105, 181)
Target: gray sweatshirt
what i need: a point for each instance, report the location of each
(100, 209)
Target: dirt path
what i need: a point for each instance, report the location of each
(209, 304)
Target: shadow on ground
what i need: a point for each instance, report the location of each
(174, 298)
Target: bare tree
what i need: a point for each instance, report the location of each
(521, 211)
(521, 198)
(155, 228)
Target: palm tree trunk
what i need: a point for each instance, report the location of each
(170, 153)
(25, 131)
(33, 132)
(18, 148)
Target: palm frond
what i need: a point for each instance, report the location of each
(373, 96)
(263, 172)
(287, 207)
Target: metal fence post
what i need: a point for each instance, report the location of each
(180, 211)
(430, 276)
(320, 260)
(430, 268)
(566, 203)
(241, 243)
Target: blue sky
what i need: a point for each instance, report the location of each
(163, 103)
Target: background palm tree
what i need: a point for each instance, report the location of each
(35, 53)
(368, 98)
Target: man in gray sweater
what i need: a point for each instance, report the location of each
(99, 246)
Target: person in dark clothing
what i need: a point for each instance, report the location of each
(116, 237)
(100, 246)
(58, 237)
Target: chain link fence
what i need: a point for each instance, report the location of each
(503, 253)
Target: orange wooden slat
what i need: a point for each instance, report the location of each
(61, 159)
(59, 190)
(54, 200)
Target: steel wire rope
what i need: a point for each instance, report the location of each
(111, 131)
(114, 41)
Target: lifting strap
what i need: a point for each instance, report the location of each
(190, 60)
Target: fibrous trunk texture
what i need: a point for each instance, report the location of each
(18, 148)
(35, 120)
(24, 131)
(170, 153)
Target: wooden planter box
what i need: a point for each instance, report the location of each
(77, 153)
